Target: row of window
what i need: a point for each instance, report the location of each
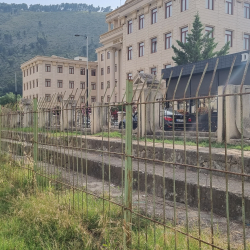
(59, 84)
(30, 70)
(152, 70)
(209, 4)
(184, 34)
(108, 69)
(60, 70)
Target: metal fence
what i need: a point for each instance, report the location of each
(182, 165)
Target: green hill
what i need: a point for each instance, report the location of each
(26, 34)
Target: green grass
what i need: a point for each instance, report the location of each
(32, 217)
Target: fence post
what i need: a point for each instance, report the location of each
(128, 166)
(0, 128)
(35, 133)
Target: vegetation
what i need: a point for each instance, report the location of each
(42, 215)
(198, 46)
(9, 98)
(25, 34)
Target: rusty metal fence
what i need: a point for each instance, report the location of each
(181, 181)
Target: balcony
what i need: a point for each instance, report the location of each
(112, 34)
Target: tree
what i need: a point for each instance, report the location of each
(198, 46)
(9, 98)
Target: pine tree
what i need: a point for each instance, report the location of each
(198, 46)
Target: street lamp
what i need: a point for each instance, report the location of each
(87, 76)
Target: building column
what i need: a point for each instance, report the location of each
(112, 73)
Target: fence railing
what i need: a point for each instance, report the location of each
(180, 164)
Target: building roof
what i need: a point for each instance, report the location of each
(224, 62)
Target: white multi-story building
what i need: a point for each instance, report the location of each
(57, 77)
(139, 39)
(141, 33)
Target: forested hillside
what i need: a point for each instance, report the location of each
(25, 34)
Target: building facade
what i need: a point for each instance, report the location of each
(141, 33)
(57, 77)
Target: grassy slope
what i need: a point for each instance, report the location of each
(57, 28)
(47, 219)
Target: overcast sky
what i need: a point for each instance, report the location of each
(112, 3)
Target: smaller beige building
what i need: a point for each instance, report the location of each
(47, 78)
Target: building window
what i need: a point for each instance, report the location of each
(130, 23)
(141, 71)
(47, 98)
(82, 99)
(36, 68)
(82, 71)
(141, 22)
(108, 55)
(154, 45)
(82, 85)
(102, 57)
(141, 49)
(47, 67)
(59, 69)
(115, 83)
(108, 98)
(102, 85)
(37, 82)
(59, 84)
(246, 42)
(71, 70)
(167, 66)
(102, 71)
(24, 73)
(210, 4)
(71, 84)
(33, 83)
(33, 69)
(108, 84)
(154, 16)
(209, 29)
(184, 34)
(72, 97)
(153, 71)
(115, 67)
(168, 9)
(30, 71)
(93, 86)
(129, 76)
(130, 53)
(92, 72)
(184, 5)
(247, 10)
(59, 98)
(47, 83)
(102, 98)
(229, 37)
(92, 98)
(168, 40)
(229, 7)
(108, 70)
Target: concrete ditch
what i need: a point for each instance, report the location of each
(146, 174)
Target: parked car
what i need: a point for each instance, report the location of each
(122, 124)
(178, 119)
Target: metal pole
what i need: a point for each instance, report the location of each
(128, 167)
(87, 75)
(35, 133)
(16, 91)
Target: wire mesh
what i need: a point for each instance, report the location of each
(156, 159)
